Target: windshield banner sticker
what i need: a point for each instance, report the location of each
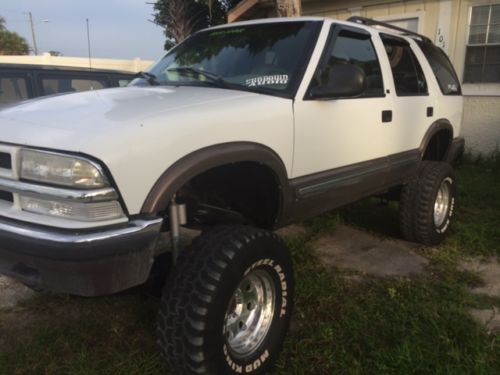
(278, 79)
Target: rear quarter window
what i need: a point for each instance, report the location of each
(12, 89)
(442, 68)
(409, 78)
(54, 84)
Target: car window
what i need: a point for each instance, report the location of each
(13, 89)
(442, 68)
(356, 48)
(264, 58)
(55, 85)
(408, 76)
(124, 82)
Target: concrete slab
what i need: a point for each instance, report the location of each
(490, 318)
(489, 271)
(357, 250)
(13, 292)
(292, 231)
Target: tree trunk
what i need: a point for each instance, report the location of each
(289, 8)
(181, 23)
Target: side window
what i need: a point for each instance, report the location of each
(408, 76)
(13, 89)
(122, 82)
(355, 48)
(66, 83)
(442, 68)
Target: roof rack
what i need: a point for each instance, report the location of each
(371, 22)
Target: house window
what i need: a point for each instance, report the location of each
(482, 59)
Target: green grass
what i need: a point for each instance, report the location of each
(341, 324)
(389, 326)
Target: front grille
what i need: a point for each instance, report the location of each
(6, 196)
(5, 161)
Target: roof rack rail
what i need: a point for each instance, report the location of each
(370, 22)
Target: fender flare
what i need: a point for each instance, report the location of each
(202, 160)
(441, 124)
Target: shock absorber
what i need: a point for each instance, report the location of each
(178, 217)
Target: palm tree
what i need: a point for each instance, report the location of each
(2, 24)
(288, 8)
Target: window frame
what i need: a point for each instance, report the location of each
(473, 85)
(334, 31)
(418, 15)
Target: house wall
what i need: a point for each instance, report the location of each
(481, 121)
(134, 66)
(482, 124)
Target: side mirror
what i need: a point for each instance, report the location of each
(343, 81)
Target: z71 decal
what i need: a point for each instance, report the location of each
(277, 79)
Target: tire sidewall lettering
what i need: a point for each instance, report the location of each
(444, 227)
(271, 263)
(258, 359)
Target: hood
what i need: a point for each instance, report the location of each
(68, 121)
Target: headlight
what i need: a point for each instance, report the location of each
(58, 169)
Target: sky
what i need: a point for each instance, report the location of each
(118, 28)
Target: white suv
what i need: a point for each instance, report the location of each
(237, 131)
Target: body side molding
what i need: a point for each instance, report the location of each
(327, 190)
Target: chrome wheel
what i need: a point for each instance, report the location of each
(442, 203)
(250, 313)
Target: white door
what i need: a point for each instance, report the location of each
(334, 133)
(413, 105)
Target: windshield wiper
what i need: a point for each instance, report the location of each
(212, 77)
(149, 77)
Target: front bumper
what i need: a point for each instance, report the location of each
(85, 263)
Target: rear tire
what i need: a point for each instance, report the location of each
(226, 306)
(428, 203)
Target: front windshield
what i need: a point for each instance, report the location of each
(267, 58)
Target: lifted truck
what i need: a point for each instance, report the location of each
(239, 130)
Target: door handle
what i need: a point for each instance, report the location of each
(387, 116)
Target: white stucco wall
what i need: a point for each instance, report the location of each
(481, 125)
(134, 65)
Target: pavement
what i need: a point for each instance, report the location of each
(488, 271)
(368, 254)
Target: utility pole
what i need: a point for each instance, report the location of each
(289, 8)
(88, 44)
(35, 47)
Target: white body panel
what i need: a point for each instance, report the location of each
(335, 133)
(139, 132)
(332, 134)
